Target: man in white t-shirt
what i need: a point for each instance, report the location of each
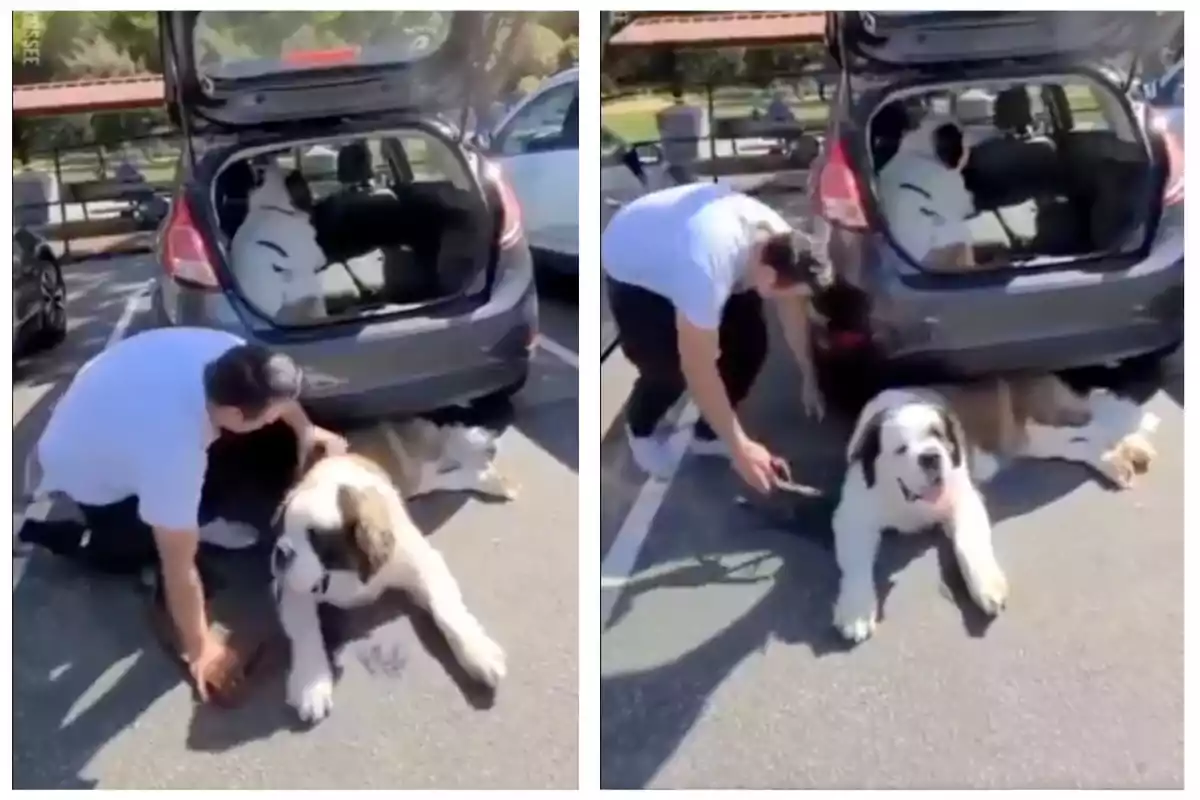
(128, 444)
(687, 269)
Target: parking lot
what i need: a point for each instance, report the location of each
(720, 667)
(97, 703)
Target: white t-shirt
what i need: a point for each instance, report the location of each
(691, 244)
(134, 422)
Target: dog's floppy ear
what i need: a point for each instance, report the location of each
(956, 439)
(864, 445)
(367, 528)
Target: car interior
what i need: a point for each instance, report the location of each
(398, 218)
(1055, 168)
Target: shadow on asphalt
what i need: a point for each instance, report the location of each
(645, 715)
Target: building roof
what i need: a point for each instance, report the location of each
(730, 29)
(86, 97)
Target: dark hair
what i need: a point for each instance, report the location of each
(791, 260)
(948, 144)
(250, 378)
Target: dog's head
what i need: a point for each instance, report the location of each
(912, 446)
(288, 192)
(346, 531)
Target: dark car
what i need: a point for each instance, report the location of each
(427, 297)
(39, 295)
(1083, 181)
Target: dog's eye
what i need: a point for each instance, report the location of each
(278, 269)
(902, 449)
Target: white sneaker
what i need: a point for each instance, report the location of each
(715, 447)
(228, 534)
(650, 453)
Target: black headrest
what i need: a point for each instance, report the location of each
(354, 164)
(1013, 112)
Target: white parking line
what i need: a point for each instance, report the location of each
(132, 306)
(562, 353)
(622, 556)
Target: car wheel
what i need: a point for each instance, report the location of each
(52, 317)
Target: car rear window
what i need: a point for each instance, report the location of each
(246, 44)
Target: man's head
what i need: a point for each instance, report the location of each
(249, 387)
(783, 265)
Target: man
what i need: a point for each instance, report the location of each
(925, 199)
(687, 269)
(680, 129)
(128, 444)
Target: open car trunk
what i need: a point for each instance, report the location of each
(1057, 168)
(383, 223)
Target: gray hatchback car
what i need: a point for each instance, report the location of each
(428, 295)
(1077, 177)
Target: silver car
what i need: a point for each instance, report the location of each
(427, 299)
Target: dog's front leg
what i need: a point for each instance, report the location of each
(310, 679)
(970, 529)
(856, 535)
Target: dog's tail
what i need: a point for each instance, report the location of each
(437, 591)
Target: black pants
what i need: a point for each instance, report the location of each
(246, 479)
(646, 331)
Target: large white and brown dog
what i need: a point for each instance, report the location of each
(274, 255)
(346, 537)
(917, 455)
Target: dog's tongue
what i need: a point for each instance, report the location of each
(938, 495)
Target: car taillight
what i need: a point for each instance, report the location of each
(510, 208)
(838, 198)
(185, 255)
(321, 58)
(1173, 189)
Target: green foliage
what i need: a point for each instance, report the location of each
(76, 45)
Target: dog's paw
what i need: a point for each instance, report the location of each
(855, 617)
(990, 591)
(488, 663)
(1127, 461)
(311, 695)
(493, 484)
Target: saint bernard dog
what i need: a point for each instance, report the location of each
(275, 257)
(345, 537)
(917, 455)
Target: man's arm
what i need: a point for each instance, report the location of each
(699, 349)
(181, 584)
(308, 434)
(792, 312)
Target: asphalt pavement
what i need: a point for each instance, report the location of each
(97, 704)
(720, 668)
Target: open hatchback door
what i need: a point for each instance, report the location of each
(246, 69)
(890, 40)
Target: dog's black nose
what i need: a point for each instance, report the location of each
(929, 461)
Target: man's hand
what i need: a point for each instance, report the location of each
(215, 667)
(758, 467)
(810, 396)
(333, 443)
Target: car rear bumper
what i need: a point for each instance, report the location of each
(397, 367)
(1056, 322)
